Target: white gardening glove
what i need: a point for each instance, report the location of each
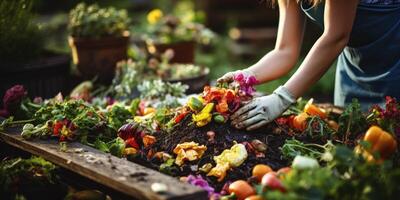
(229, 77)
(262, 110)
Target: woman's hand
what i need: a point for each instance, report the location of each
(230, 76)
(263, 110)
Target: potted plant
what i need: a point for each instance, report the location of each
(177, 33)
(98, 39)
(23, 58)
(130, 73)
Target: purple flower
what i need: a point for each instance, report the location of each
(13, 98)
(200, 182)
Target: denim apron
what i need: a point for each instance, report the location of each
(369, 66)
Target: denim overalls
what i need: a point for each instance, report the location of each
(369, 66)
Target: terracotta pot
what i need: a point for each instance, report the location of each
(183, 51)
(98, 57)
(44, 77)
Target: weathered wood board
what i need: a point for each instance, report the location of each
(119, 174)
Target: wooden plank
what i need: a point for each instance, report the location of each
(330, 108)
(119, 174)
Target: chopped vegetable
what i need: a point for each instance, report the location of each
(299, 122)
(241, 189)
(313, 110)
(229, 158)
(219, 119)
(303, 162)
(204, 116)
(260, 170)
(195, 104)
(188, 151)
(272, 182)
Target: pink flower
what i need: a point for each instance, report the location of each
(246, 84)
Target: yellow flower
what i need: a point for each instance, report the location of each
(229, 158)
(188, 151)
(154, 16)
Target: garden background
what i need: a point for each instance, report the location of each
(246, 31)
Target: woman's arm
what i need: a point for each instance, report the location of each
(338, 21)
(283, 58)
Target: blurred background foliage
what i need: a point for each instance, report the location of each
(246, 30)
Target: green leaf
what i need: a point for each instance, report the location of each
(102, 146)
(133, 108)
(117, 147)
(352, 121)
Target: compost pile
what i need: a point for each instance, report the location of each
(225, 137)
(308, 152)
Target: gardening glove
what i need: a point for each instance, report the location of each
(229, 77)
(262, 110)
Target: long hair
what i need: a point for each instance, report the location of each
(312, 2)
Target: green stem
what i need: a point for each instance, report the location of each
(316, 145)
(303, 147)
(34, 105)
(22, 121)
(40, 129)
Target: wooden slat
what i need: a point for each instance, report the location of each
(119, 174)
(330, 108)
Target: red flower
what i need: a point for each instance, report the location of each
(131, 142)
(57, 128)
(13, 98)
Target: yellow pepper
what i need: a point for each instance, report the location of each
(130, 151)
(188, 151)
(205, 116)
(229, 158)
(381, 142)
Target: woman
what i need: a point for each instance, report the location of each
(365, 34)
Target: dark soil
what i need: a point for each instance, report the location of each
(225, 137)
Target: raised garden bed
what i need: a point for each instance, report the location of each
(124, 176)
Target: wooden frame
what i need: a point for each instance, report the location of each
(119, 174)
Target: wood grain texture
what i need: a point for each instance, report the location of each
(119, 174)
